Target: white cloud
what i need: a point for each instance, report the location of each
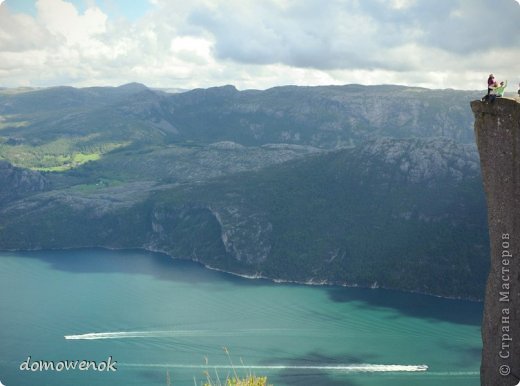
(261, 44)
(62, 18)
(402, 4)
(192, 49)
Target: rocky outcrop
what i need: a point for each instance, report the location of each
(16, 182)
(246, 236)
(425, 161)
(497, 129)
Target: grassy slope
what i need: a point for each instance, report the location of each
(61, 128)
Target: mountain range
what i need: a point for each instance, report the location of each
(349, 185)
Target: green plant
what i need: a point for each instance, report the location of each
(235, 379)
(250, 380)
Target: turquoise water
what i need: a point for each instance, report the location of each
(155, 315)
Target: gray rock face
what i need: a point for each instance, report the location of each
(497, 129)
(426, 161)
(246, 237)
(15, 182)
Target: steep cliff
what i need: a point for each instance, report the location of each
(402, 214)
(497, 129)
(16, 182)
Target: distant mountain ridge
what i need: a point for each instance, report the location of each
(356, 185)
(323, 116)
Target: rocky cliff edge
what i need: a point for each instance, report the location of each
(497, 131)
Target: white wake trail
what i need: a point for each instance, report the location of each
(136, 334)
(167, 334)
(352, 368)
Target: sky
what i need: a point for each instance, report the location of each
(258, 44)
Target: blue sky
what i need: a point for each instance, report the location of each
(258, 43)
(128, 9)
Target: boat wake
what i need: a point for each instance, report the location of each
(350, 368)
(169, 334)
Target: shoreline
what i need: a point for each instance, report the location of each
(257, 276)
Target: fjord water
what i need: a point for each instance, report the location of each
(155, 315)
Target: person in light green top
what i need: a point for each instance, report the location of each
(495, 91)
(499, 90)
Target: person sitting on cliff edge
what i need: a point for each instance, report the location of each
(499, 90)
(491, 82)
(494, 89)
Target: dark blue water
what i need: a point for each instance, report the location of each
(154, 315)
